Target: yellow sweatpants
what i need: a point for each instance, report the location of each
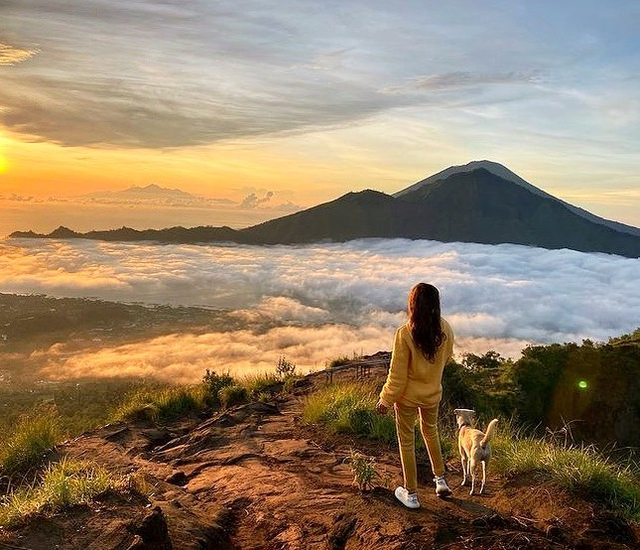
(405, 427)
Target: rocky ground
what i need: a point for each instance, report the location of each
(254, 477)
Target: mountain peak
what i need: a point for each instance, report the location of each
(504, 173)
(494, 167)
(150, 187)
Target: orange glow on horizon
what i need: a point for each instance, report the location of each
(4, 162)
(230, 171)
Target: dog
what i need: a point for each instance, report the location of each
(474, 447)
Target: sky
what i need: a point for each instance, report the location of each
(315, 303)
(277, 105)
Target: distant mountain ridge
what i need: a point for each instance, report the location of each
(480, 202)
(151, 191)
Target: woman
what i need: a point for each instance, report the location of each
(422, 347)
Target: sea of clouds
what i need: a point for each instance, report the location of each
(316, 302)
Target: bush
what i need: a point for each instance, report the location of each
(213, 383)
(232, 395)
(578, 469)
(27, 445)
(333, 405)
(162, 403)
(360, 421)
(256, 384)
(481, 382)
(63, 484)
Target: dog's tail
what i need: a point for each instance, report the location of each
(491, 428)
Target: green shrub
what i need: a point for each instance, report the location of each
(62, 485)
(162, 403)
(258, 383)
(31, 439)
(290, 383)
(578, 469)
(213, 383)
(232, 395)
(333, 405)
(383, 428)
(481, 382)
(360, 421)
(264, 397)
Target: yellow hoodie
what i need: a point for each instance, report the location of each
(413, 379)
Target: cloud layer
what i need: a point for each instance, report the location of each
(313, 303)
(173, 73)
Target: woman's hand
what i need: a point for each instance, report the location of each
(381, 408)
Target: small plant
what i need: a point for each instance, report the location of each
(285, 369)
(364, 470)
(264, 397)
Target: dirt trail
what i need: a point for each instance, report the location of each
(253, 477)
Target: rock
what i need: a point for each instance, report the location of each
(153, 531)
(341, 531)
(178, 478)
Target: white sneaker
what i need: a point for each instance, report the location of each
(442, 489)
(410, 500)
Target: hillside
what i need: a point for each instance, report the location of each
(481, 202)
(255, 477)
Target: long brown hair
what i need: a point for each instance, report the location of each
(424, 319)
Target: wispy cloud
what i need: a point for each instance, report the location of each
(10, 55)
(174, 74)
(313, 303)
(203, 73)
(459, 81)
